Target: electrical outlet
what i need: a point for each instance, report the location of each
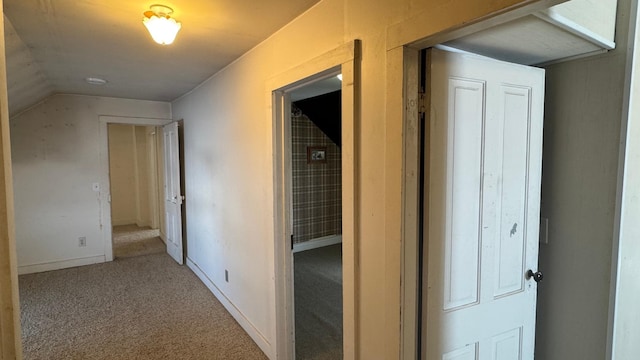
(82, 241)
(226, 275)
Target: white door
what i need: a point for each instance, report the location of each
(482, 219)
(172, 194)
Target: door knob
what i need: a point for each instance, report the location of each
(537, 276)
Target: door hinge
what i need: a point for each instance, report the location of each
(421, 103)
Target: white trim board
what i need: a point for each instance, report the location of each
(57, 265)
(248, 327)
(344, 59)
(317, 243)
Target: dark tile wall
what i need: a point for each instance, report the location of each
(317, 196)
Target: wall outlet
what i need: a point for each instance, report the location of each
(82, 241)
(226, 275)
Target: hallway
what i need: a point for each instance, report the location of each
(143, 307)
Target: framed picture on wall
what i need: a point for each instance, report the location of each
(316, 154)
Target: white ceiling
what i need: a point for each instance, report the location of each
(53, 45)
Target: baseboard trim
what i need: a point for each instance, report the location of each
(122, 222)
(143, 223)
(245, 323)
(317, 243)
(57, 265)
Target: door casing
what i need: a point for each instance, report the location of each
(404, 42)
(340, 60)
(105, 185)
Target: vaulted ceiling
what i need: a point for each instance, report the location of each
(52, 46)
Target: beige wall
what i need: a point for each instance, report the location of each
(122, 174)
(152, 173)
(56, 161)
(132, 172)
(143, 181)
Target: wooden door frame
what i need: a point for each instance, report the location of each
(105, 184)
(404, 42)
(343, 59)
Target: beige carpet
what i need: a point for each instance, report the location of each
(131, 240)
(144, 307)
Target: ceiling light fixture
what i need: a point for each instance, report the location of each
(161, 26)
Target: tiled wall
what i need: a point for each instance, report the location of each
(317, 197)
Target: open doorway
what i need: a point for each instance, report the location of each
(137, 147)
(316, 187)
(135, 174)
(341, 60)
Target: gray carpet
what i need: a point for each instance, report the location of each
(131, 240)
(318, 303)
(144, 307)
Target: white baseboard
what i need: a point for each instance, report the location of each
(246, 324)
(317, 243)
(57, 265)
(120, 222)
(143, 223)
(163, 238)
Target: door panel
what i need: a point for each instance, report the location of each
(507, 346)
(481, 236)
(509, 257)
(469, 352)
(465, 168)
(173, 195)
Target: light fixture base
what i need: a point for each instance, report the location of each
(161, 9)
(95, 81)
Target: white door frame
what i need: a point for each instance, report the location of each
(340, 60)
(404, 42)
(105, 186)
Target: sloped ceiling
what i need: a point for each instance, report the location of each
(26, 82)
(53, 45)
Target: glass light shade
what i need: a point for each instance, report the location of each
(163, 29)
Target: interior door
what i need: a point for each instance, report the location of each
(484, 168)
(172, 194)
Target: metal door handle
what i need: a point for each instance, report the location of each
(537, 276)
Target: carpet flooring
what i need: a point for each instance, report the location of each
(318, 303)
(131, 240)
(144, 307)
